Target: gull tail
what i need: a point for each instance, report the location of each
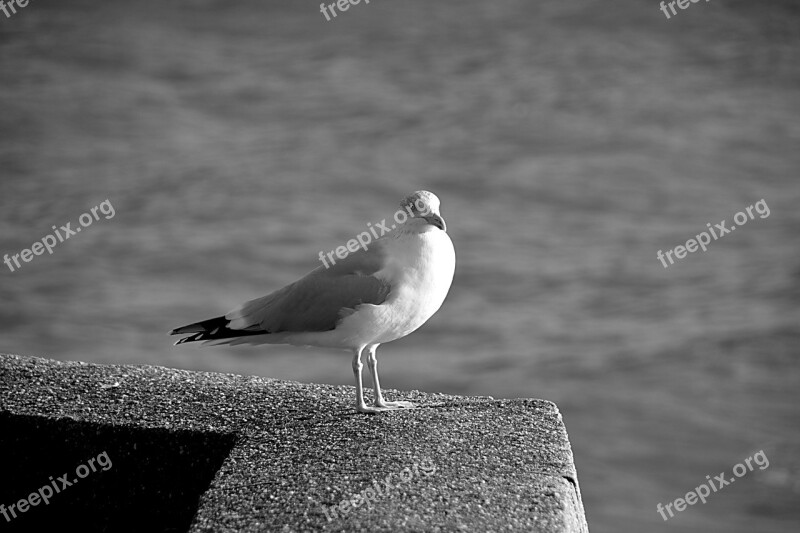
(213, 329)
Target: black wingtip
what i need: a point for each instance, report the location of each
(191, 338)
(212, 329)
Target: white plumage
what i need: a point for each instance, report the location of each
(369, 298)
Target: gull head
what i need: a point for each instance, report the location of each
(423, 207)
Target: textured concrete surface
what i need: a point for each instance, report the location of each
(220, 452)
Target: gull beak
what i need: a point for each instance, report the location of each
(436, 220)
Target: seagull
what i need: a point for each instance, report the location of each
(381, 292)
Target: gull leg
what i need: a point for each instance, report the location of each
(372, 361)
(361, 407)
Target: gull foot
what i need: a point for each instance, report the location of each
(395, 405)
(384, 406)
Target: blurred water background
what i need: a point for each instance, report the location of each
(568, 141)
